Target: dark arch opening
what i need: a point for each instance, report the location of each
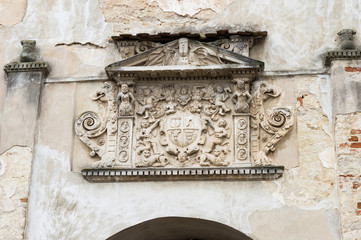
(179, 228)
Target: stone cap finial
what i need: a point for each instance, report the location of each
(347, 39)
(28, 54)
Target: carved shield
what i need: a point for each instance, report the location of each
(183, 129)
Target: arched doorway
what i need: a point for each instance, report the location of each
(179, 228)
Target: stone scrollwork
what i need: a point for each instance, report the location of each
(90, 125)
(276, 124)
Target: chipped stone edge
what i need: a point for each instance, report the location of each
(264, 173)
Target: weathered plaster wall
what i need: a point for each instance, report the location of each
(15, 168)
(306, 190)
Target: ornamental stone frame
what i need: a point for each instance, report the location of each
(183, 110)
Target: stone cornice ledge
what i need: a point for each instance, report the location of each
(27, 67)
(342, 54)
(265, 173)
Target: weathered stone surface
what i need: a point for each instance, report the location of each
(15, 168)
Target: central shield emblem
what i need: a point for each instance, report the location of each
(183, 129)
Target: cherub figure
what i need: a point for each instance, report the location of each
(241, 98)
(221, 95)
(125, 100)
(168, 95)
(144, 135)
(220, 133)
(197, 97)
(147, 103)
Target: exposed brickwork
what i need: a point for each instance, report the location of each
(359, 205)
(352, 69)
(355, 131)
(356, 145)
(353, 139)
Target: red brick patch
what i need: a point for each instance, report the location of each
(359, 205)
(24, 200)
(355, 131)
(353, 139)
(358, 212)
(356, 185)
(352, 69)
(356, 145)
(344, 145)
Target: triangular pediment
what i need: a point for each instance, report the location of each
(187, 54)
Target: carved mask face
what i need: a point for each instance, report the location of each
(124, 88)
(183, 47)
(144, 124)
(240, 84)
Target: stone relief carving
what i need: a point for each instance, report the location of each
(277, 123)
(241, 98)
(90, 125)
(126, 101)
(177, 122)
(182, 52)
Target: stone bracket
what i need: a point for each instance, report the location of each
(266, 173)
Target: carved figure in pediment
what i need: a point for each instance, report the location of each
(126, 101)
(89, 126)
(276, 124)
(182, 52)
(216, 158)
(241, 98)
(184, 97)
